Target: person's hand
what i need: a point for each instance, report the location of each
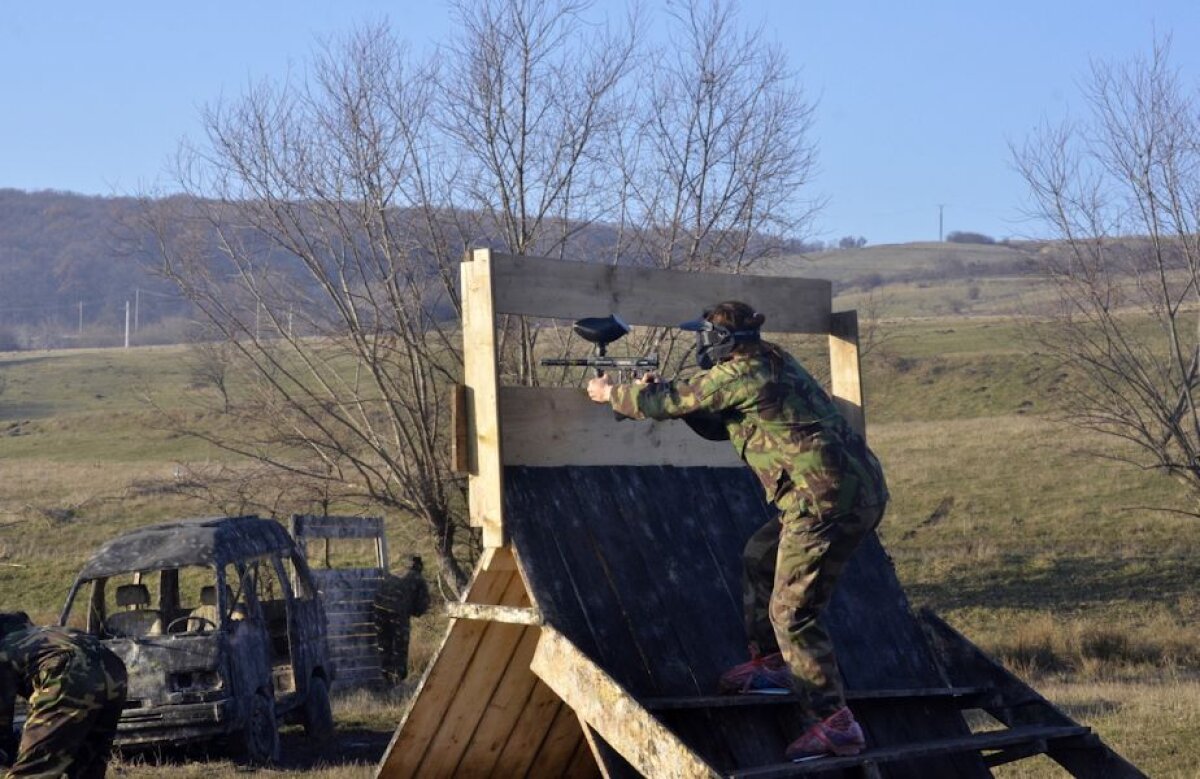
(649, 377)
(599, 389)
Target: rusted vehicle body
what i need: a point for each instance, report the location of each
(220, 627)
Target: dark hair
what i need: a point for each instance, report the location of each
(735, 315)
(12, 621)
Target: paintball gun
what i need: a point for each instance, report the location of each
(601, 331)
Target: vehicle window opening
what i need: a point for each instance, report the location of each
(272, 591)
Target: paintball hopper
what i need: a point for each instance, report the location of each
(600, 330)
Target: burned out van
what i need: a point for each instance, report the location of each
(220, 628)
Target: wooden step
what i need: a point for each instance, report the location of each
(1010, 741)
(965, 695)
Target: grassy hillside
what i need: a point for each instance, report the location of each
(1047, 557)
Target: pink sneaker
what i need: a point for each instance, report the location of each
(838, 734)
(762, 674)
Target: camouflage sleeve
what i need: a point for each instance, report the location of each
(712, 391)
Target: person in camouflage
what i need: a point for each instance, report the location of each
(827, 485)
(76, 690)
(398, 599)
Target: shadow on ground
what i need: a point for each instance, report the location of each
(351, 746)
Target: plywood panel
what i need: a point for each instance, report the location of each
(540, 287)
(550, 426)
(494, 577)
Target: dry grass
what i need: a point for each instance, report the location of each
(1156, 726)
(1045, 556)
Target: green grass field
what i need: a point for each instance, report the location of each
(1058, 562)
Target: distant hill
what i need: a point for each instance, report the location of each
(874, 266)
(69, 263)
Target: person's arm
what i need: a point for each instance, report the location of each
(712, 391)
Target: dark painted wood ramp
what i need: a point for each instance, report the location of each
(640, 568)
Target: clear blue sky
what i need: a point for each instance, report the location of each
(917, 101)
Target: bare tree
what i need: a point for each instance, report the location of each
(715, 164)
(326, 215)
(301, 247)
(533, 101)
(1121, 188)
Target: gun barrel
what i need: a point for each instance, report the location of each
(613, 363)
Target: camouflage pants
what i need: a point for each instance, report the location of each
(392, 634)
(790, 567)
(73, 718)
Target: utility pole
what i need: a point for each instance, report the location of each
(126, 324)
(941, 209)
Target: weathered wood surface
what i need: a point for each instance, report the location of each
(317, 526)
(639, 567)
(552, 426)
(541, 287)
(998, 739)
(481, 374)
(844, 370)
(606, 706)
(479, 710)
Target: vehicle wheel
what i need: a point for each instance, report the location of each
(259, 740)
(318, 716)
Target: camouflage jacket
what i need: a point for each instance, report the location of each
(402, 596)
(36, 659)
(783, 425)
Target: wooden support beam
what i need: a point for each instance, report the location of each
(606, 706)
(845, 373)
(460, 426)
(481, 375)
(554, 426)
(976, 742)
(965, 694)
(542, 287)
(487, 613)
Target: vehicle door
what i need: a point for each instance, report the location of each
(306, 621)
(245, 623)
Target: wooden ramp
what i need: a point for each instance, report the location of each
(608, 601)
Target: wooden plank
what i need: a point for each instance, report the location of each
(317, 526)
(460, 451)
(560, 745)
(508, 614)
(1020, 704)
(852, 696)
(607, 707)
(478, 681)
(977, 742)
(555, 426)
(502, 716)
(442, 679)
(609, 762)
(481, 376)
(583, 763)
(534, 721)
(845, 372)
(541, 287)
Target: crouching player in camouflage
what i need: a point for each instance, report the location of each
(76, 689)
(816, 470)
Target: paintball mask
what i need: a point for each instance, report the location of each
(715, 343)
